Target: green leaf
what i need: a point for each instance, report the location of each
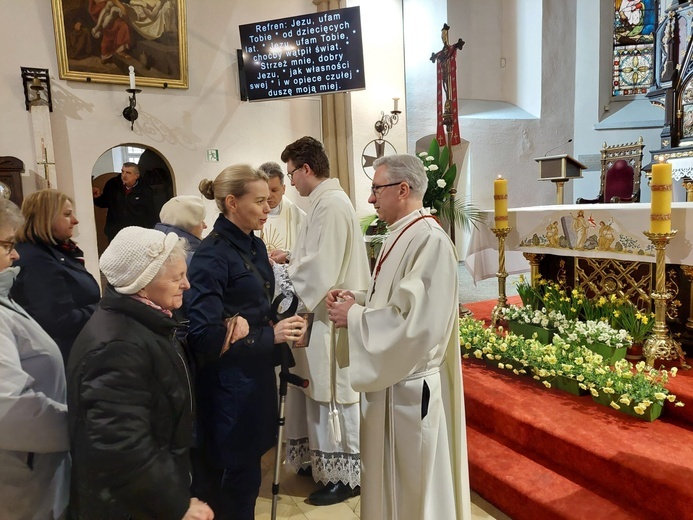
(450, 175)
(461, 212)
(444, 158)
(434, 150)
(366, 221)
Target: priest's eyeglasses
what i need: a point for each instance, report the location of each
(290, 175)
(8, 245)
(377, 190)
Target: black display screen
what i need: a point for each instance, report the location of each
(311, 54)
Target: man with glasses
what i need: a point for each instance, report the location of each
(404, 356)
(322, 422)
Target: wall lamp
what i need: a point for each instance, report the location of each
(130, 112)
(386, 122)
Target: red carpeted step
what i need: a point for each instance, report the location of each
(648, 465)
(524, 489)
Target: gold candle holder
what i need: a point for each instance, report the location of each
(660, 345)
(687, 184)
(502, 274)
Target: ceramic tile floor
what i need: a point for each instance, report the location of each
(293, 504)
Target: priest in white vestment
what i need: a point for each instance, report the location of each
(285, 218)
(404, 357)
(322, 421)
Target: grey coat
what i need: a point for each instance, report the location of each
(34, 442)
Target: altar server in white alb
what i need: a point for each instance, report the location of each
(322, 421)
(285, 218)
(404, 358)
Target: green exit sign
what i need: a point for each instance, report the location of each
(212, 155)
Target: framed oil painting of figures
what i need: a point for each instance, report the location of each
(97, 40)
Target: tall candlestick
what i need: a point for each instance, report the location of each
(660, 209)
(132, 77)
(500, 202)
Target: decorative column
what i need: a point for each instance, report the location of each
(335, 135)
(534, 260)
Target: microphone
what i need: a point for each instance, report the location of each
(556, 147)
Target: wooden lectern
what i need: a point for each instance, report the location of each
(559, 169)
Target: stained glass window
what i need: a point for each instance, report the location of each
(635, 22)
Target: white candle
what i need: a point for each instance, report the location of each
(132, 77)
(396, 100)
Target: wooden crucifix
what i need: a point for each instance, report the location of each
(446, 72)
(447, 115)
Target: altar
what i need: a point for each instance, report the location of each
(598, 248)
(607, 231)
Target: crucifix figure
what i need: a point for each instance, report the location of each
(45, 163)
(446, 71)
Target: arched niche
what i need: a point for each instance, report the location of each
(155, 170)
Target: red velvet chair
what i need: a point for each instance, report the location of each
(620, 178)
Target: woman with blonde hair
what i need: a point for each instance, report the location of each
(230, 274)
(34, 441)
(53, 285)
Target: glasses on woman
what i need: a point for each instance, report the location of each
(8, 245)
(290, 175)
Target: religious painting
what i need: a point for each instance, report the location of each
(635, 21)
(687, 121)
(98, 40)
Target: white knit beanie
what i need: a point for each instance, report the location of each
(134, 257)
(184, 211)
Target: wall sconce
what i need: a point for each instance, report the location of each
(130, 112)
(36, 80)
(386, 122)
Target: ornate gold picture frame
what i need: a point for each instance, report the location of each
(97, 40)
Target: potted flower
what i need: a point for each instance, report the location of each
(530, 322)
(639, 325)
(598, 336)
(441, 179)
(639, 392)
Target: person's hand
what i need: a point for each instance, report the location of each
(241, 328)
(95, 192)
(337, 295)
(198, 510)
(339, 310)
(279, 256)
(289, 329)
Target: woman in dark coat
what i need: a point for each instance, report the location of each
(53, 285)
(130, 403)
(230, 274)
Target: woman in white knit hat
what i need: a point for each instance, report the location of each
(185, 216)
(129, 390)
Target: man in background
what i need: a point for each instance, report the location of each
(129, 201)
(285, 218)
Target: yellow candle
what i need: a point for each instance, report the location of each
(500, 202)
(660, 209)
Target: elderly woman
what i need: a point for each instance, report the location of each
(129, 392)
(53, 285)
(237, 401)
(185, 216)
(34, 442)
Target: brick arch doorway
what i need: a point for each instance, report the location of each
(155, 171)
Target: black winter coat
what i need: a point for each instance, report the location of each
(237, 392)
(130, 415)
(134, 209)
(56, 290)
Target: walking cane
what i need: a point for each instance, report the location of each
(285, 377)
